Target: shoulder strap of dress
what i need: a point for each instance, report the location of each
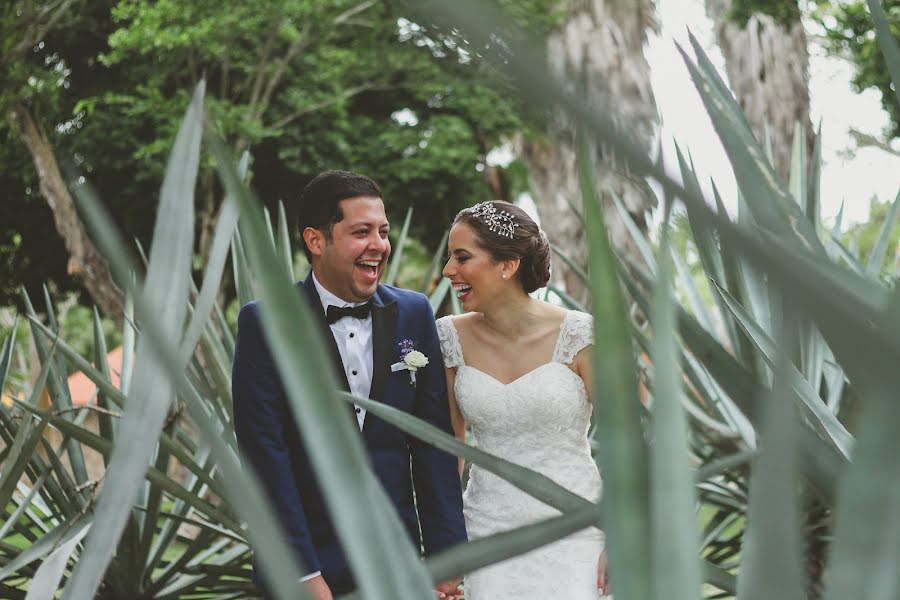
(575, 334)
(450, 346)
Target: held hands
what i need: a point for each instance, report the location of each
(449, 590)
(602, 580)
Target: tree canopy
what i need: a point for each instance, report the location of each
(304, 85)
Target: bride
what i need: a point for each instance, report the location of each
(518, 371)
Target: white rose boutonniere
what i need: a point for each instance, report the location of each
(415, 359)
(411, 360)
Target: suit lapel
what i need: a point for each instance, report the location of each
(316, 305)
(384, 327)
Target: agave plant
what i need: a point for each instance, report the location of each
(763, 395)
(804, 326)
(179, 538)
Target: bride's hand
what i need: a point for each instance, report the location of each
(449, 590)
(602, 581)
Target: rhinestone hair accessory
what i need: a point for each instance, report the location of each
(498, 221)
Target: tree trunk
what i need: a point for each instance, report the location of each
(599, 52)
(206, 214)
(85, 264)
(768, 69)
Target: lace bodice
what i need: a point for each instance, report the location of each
(539, 421)
(451, 350)
(575, 333)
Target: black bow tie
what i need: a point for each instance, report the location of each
(334, 313)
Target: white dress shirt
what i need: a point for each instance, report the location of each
(354, 342)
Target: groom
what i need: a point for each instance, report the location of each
(367, 326)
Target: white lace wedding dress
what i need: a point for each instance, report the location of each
(539, 421)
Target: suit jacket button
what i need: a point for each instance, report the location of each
(358, 410)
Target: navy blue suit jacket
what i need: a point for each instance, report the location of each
(271, 444)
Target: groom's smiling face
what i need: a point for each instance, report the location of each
(350, 261)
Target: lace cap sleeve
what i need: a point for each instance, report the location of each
(450, 347)
(576, 333)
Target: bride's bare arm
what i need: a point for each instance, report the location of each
(456, 419)
(582, 365)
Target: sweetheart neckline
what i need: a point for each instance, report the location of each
(524, 375)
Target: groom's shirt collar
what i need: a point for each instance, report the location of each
(328, 299)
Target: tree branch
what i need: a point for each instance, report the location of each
(226, 71)
(36, 31)
(346, 95)
(864, 139)
(261, 71)
(294, 50)
(296, 47)
(344, 16)
(192, 66)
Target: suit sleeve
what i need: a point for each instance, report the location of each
(260, 416)
(435, 472)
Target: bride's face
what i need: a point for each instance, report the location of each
(472, 271)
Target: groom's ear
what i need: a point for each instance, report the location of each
(314, 240)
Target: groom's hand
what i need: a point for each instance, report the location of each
(449, 590)
(318, 588)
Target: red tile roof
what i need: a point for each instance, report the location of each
(84, 391)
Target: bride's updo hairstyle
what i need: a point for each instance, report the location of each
(506, 232)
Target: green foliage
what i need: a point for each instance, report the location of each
(849, 32)
(682, 243)
(865, 235)
(534, 16)
(785, 12)
(305, 85)
(76, 327)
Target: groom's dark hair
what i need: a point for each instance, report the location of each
(320, 201)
